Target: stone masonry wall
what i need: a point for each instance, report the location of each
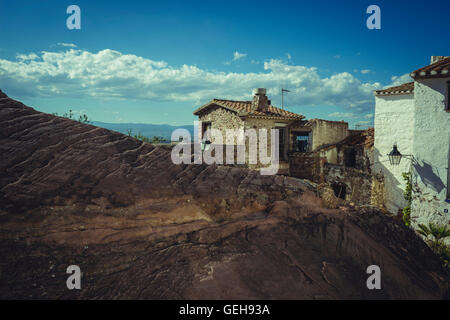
(222, 119)
(305, 166)
(327, 132)
(357, 184)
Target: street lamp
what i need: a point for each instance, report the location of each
(395, 156)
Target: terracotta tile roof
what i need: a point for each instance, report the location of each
(244, 108)
(405, 88)
(437, 69)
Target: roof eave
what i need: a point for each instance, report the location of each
(211, 103)
(275, 117)
(432, 74)
(394, 93)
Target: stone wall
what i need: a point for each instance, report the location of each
(327, 132)
(305, 166)
(222, 119)
(377, 197)
(352, 185)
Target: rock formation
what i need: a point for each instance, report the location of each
(141, 227)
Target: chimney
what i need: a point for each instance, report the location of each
(260, 101)
(435, 59)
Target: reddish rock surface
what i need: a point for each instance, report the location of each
(141, 227)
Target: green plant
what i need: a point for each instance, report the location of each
(141, 137)
(436, 243)
(84, 119)
(406, 211)
(68, 115)
(157, 139)
(407, 194)
(437, 232)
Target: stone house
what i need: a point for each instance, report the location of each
(346, 166)
(416, 118)
(258, 114)
(298, 138)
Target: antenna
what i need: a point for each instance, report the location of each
(282, 97)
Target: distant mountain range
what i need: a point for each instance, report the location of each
(148, 130)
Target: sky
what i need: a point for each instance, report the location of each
(157, 61)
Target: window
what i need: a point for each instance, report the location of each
(340, 189)
(350, 157)
(301, 142)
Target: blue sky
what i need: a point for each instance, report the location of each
(156, 61)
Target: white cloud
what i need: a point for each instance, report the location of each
(238, 56)
(369, 116)
(341, 115)
(398, 80)
(111, 74)
(63, 44)
(365, 71)
(27, 57)
(289, 57)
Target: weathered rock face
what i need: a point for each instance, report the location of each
(48, 160)
(141, 227)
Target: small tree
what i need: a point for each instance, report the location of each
(157, 139)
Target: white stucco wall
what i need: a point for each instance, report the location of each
(431, 150)
(394, 124)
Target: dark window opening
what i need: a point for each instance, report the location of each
(282, 144)
(340, 190)
(350, 157)
(301, 142)
(448, 177)
(447, 107)
(205, 127)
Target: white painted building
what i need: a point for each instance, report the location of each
(416, 117)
